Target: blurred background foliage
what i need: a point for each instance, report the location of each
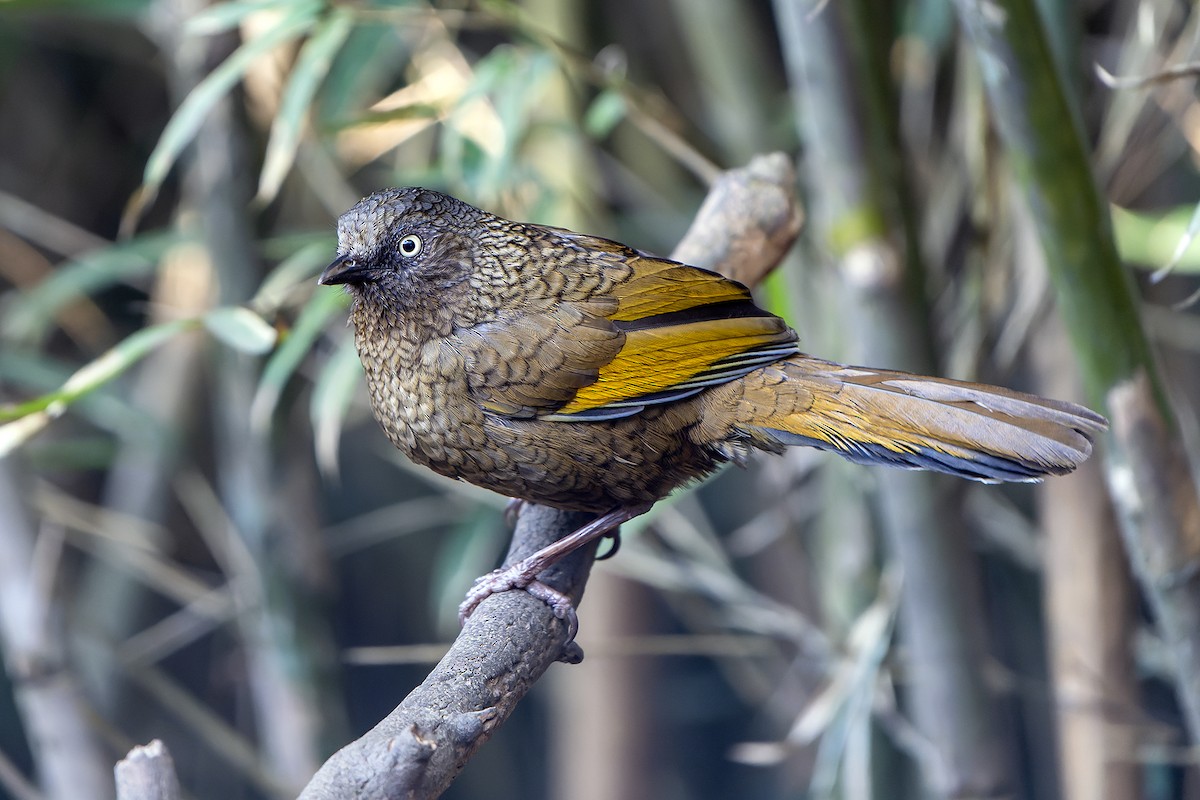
(204, 538)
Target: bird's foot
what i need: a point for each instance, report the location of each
(516, 577)
(523, 574)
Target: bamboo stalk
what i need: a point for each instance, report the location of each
(66, 751)
(1147, 473)
(848, 120)
(1090, 602)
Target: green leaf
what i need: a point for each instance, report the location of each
(23, 420)
(300, 267)
(242, 329)
(186, 120)
(1181, 247)
(312, 64)
(1152, 239)
(124, 10)
(334, 389)
(288, 244)
(32, 311)
(224, 16)
(604, 113)
(512, 79)
(363, 70)
(411, 111)
(34, 373)
(283, 363)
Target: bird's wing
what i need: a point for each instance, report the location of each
(659, 332)
(531, 363)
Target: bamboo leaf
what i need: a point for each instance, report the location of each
(186, 120)
(1185, 242)
(31, 373)
(242, 329)
(311, 67)
(23, 420)
(300, 267)
(283, 363)
(364, 65)
(14, 434)
(225, 16)
(334, 389)
(604, 113)
(1152, 239)
(412, 111)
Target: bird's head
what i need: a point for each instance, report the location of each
(404, 246)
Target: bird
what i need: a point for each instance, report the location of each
(577, 372)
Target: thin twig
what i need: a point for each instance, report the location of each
(1190, 70)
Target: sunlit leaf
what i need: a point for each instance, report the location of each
(186, 120)
(312, 64)
(511, 80)
(284, 361)
(1181, 247)
(1152, 239)
(241, 329)
(16, 433)
(32, 373)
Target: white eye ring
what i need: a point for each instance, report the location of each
(410, 245)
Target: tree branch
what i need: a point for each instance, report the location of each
(744, 228)
(147, 773)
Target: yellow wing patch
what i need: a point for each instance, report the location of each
(664, 287)
(683, 356)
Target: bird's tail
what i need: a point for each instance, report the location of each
(972, 430)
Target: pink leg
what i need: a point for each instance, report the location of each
(523, 574)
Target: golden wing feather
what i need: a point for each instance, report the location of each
(660, 364)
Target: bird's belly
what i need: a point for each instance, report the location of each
(588, 466)
(593, 466)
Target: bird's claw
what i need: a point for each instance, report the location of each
(559, 603)
(614, 539)
(504, 580)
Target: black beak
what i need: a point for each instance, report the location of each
(345, 269)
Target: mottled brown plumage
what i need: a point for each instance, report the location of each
(577, 372)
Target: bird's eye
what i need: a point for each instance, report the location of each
(410, 245)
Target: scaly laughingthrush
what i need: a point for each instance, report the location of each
(577, 372)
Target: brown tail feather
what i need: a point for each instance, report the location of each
(981, 432)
